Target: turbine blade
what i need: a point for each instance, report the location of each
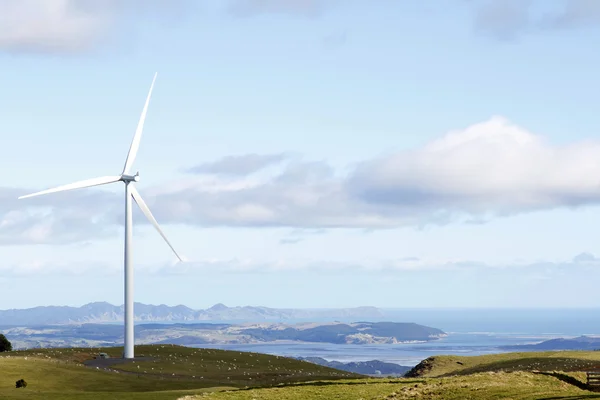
(135, 144)
(142, 204)
(103, 180)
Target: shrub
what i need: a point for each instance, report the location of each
(21, 383)
(5, 345)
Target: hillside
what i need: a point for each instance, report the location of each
(357, 333)
(489, 386)
(102, 312)
(174, 372)
(523, 376)
(166, 372)
(566, 361)
(578, 343)
(98, 335)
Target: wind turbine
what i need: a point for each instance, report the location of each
(130, 192)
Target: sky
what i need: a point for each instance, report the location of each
(304, 153)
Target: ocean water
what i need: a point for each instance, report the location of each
(470, 332)
(569, 322)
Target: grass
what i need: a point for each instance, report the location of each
(175, 372)
(514, 376)
(530, 361)
(482, 386)
(171, 372)
(239, 369)
(49, 379)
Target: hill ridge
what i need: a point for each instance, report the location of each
(104, 312)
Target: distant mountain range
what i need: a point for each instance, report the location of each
(102, 312)
(374, 367)
(578, 343)
(199, 334)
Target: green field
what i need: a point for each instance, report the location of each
(486, 386)
(512, 376)
(439, 366)
(170, 372)
(175, 372)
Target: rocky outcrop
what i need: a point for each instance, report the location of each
(422, 368)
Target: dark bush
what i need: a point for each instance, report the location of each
(5, 345)
(21, 383)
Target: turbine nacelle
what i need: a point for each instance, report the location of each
(130, 178)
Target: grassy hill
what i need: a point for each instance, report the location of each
(167, 372)
(439, 366)
(522, 376)
(175, 372)
(483, 386)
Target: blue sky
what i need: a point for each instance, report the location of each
(304, 153)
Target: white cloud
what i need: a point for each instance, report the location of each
(39, 267)
(492, 168)
(489, 169)
(47, 25)
(70, 26)
(50, 25)
(581, 262)
(74, 26)
(35, 265)
(61, 218)
(45, 227)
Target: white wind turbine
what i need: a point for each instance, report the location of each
(130, 192)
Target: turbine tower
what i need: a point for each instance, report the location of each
(130, 192)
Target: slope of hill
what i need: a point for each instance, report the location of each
(86, 335)
(357, 333)
(578, 343)
(174, 372)
(164, 372)
(102, 312)
(439, 366)
(523, 376)
(488, 386)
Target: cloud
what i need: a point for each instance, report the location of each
(508, 19)
(47, 25)
(490, 169)
(298, 235)
(527, 270)
(239, 165)
(487, 170)
(304, 195)
(63, 227)
(73, 26)
(40, 267)
(546, 269)
(306, 8)
(61, 218)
